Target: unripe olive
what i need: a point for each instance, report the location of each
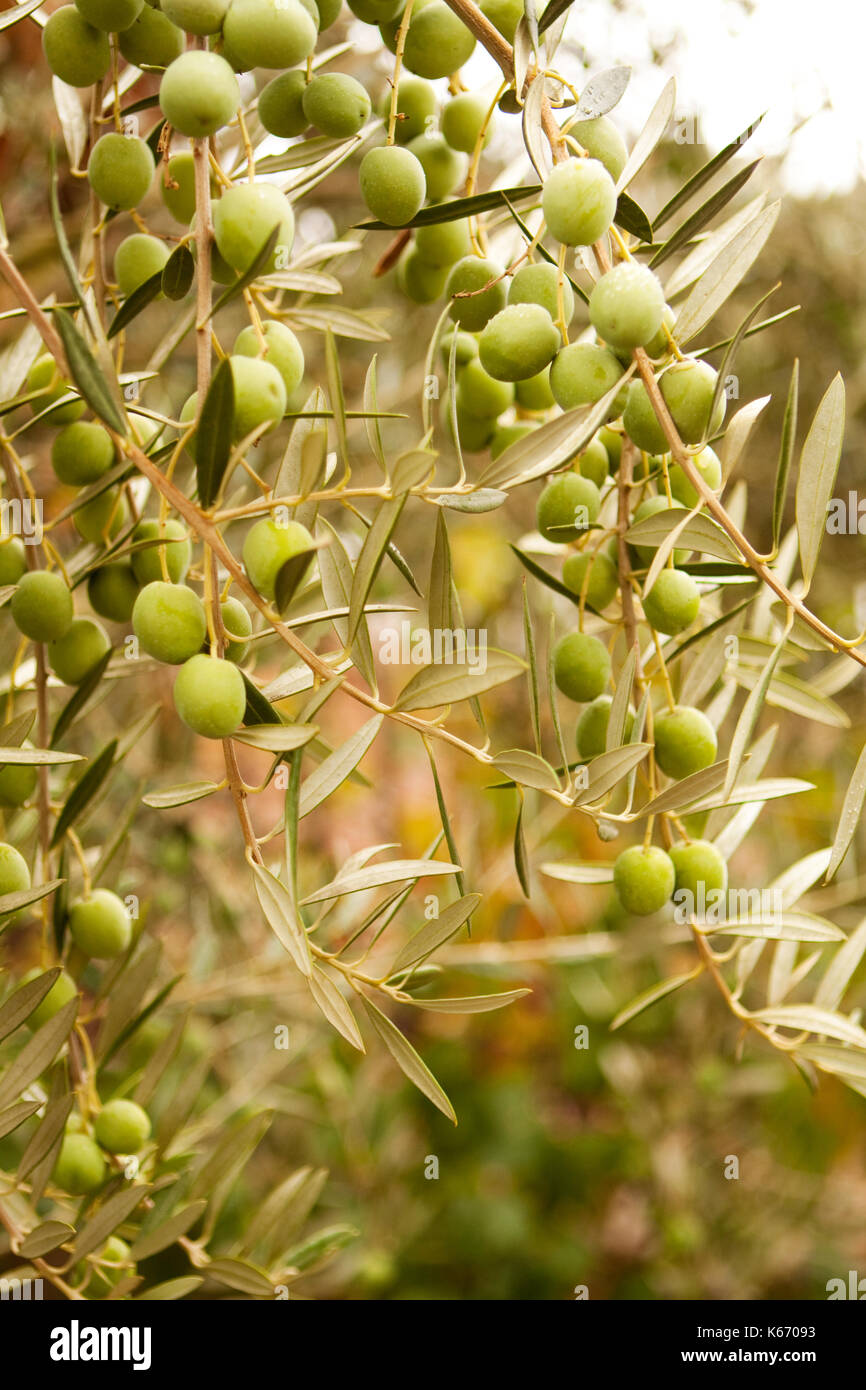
(601, 586)
(416, 104)
(699, 865)
(443, 243)
(688, 391)
(480, 394)
(593, 463)
(475, 432)
(612, 441)
(80, 1167)
(14, 877)
(336, 104)
(283, 351)
(462, 120)
(112, 591)
(504, 15)
(510, 103)
(467, 347)
(82, 453)
(151, 41)
(578, 201)
(147, 564)
(210, 696)
(101, 1281)
(602, 140)
(268, 33)
(76, 52)
(569, 504)
(644, 879)
(540, 284)
(100, 925)
(640, 421)
(685, 741)
(103, 518)
(177, 186)
(281, 108)
(582, 373)
(592, 725)
(122, 1127)
(672, 603)
(419, 280)
(13, 560)
(60, 993)
(437, 42)
(244, 218)
(625, 306)
(581, 666)
(111, 15)
(74, 655)
(392, 184)
(534, 393)
(45, 378)
(658, 346)
(169, 621)
(518, 342)
(42, 605)
(197, 16)
(329, 13)
(137, 259)
(649, 507)
(17, 782)
(443, 167)
(199, 93)
(477, 292)
(238, 626)
(375, 11)
(708, 465)
(260, 395)
(120, 170)
(267, 547)
(506, 435)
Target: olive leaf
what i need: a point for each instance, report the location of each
(819, 463)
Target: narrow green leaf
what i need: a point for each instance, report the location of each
(819, 463)
(84, 791)
(378, 875)
(257, 266)
(87, 375)
(332, 773)
(408, 1060)
(162, 1236)
(178, 273)
(527, 769)
(135, 303)
(334, 1007)
(456, 209)
(21, 1004)
(180, 796)
(374, 547)
(213, 439)
(276, 903)
(786, 452)
(444, 685)
(470, 1003)
(720, 280)
(47, 1237)
(704, 214)
(37, 1054)
(697, 181)
(46, 1141)
(117, 1209)
(434, 934)
(657, 123)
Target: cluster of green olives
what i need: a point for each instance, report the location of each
(119, 1127)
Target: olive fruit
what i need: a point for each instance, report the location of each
(420, 280)
(612, 441)
(437, 42)
(476, 290)
(463, 119)
(672, 603)
(199, 93)
(601, 583)
(151, 40)
(443, 167)
(80, 1166)
(268, 33)
(260, 395)
(578, 201)
(60, 993)
(641, 423)
(542, 284)
(137, 259)
(177, 186)
(196, 16)
(685, 741)
(169, 621)
(506, 435)
(443, 243)
(700, 868)
(601, 139)
(643, 878)
(82, 453)
(210, 696)
(649, 507)
(518, 342)
(658, 345)
(245, 216)
(336, 104)
(392, 184)
(534, 392)
(122, 1127)
(238, 628)
(475, 432)
(41, 605)
(110, 15)
(120, 170)
(112, 590)
(582, 373)
(567, 505)
(593, 462)
(581, 666)
(75, 51)
(100, 1282)
(281, 107)
(45, 378)
(283, 351)
(14, 877)
(465, 347)
(81, 648)
(688, 391)
(13, 560)
(591, 734)
(375, 11)
(416, 105)
(17, 782)
(147, 564)
(709, 467)
(504, 15)
(267, 547)
(100, 925)
(481, 395)
(625, 306)
(103, 517)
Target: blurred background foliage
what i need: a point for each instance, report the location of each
(601, 1165)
